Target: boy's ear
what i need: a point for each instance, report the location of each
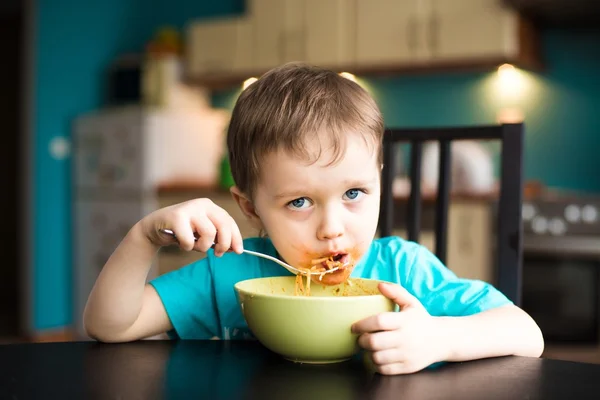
(247, 207)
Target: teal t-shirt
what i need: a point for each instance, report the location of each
(201, 302)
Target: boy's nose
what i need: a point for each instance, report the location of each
(330, 228)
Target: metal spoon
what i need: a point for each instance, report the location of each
(293, 270)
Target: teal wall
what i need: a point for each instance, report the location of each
(76, 40)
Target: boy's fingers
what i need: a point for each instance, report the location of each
(207, 232)
(379, 340)
(237, 242)
(388, 321)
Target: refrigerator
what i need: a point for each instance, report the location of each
(121, 156)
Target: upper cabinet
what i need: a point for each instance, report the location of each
(359, 36)
(315, 31)
(219, 46)
(277, 31)
(416, 32)
(330, 32)
(468, 29)
(386, 32)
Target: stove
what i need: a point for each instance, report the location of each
(561, 267)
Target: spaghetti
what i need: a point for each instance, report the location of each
(323, 265)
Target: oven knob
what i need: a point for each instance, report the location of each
(528, 211)
(557, 226)
(572, 213)
(539, 225)
(589, 214)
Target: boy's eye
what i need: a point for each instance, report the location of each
(299, 203)
(353, 194)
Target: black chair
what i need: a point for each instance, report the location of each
(509, 248)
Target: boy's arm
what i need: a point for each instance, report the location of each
(121, 306)
(443, 318)
(412, 339)
(505, 330)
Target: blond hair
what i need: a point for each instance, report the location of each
(287, 107)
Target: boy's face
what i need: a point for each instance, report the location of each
(313, 210)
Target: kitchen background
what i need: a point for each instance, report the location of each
(89, 157)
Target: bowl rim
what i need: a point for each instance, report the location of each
(307, 298)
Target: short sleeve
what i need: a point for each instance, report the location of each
(443, 293)
(189, 298)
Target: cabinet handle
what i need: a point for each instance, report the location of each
(411, 33)
(281, 47)
(434, 26)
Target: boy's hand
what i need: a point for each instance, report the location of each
(212, 223)
(401, 342)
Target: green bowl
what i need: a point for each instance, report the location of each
(309, 329)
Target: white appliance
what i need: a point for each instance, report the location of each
(121, 156)
(472, 168)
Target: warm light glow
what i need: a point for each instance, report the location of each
(505, 68)
(512, 83)
(510, 115)
(509, 77)
(249, 82)
(348, 75)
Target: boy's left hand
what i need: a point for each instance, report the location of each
(401, 342)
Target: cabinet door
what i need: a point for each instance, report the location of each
(466, 29)
(277, 32)
(386, 31)
(330, 32)
(293, 40)
(267, 32)
(219, 46)
(470, 241)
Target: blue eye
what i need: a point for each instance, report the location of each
(353, 194)
(299, 203)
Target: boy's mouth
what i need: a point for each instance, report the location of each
(337, 261)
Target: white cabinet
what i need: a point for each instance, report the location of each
(219, 46)
(386, 31)
(467, 29)
(330, 32)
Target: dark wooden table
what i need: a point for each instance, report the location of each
(245, 370)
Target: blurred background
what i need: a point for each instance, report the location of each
(114, 108)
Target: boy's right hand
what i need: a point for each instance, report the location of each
(212, 223)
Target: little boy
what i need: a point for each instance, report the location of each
(305, 152)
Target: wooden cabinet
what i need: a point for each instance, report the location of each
(277, 32)
(386, 32)
(470, 240)
(219, 46)
(362, 37)
(330, 32)
(432, 31)
(315, 31)
(468, 29)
